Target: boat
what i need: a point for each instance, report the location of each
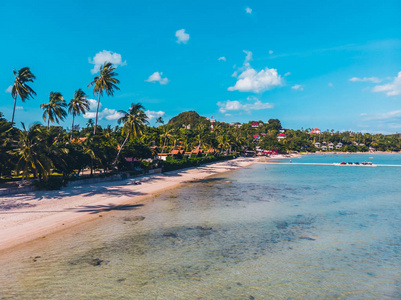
(356, 164)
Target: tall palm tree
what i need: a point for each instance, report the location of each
(105, 82)
(167, 134)
(79, 104)
(54, 110)
(134, 122)
(20, 86)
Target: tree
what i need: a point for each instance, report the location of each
(167, 133)
(105, 82)
(20, 87)
(54, 110)
(159, 120)
(79, 104)
(134, 122)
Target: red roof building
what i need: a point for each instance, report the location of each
(316, 130)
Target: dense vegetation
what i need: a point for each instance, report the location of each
(42, 151)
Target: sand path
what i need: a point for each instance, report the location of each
(25, 217)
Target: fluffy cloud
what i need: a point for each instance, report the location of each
(391, 89)
(365, 79)
(252, 81)
(157, 77)
(298, 87)
(106, 56)
(270, 51)
(248, 10)
(8, 90)
(182, 37)
(107, 113)
(223, 58)
(154, 114)
(236, 105)
(287, 74)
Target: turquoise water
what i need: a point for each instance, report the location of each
(287, 232)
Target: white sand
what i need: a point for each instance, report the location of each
(36, 214)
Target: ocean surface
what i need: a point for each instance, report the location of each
(263, 232)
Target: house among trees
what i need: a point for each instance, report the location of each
(281, 136)
(317, 145)
(331, 146)
(316, 130)
(339, 145)
(324, 148)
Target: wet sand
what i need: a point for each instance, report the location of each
(29, 216)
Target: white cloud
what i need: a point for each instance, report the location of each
(252, 81)
(154, 114)
(157, 77)
(236, 105)
(182, 37)
(248, 10)
(107, 113)
(391, 89)
(391, 115)
(298, 87)
(270, 51)
(19, 107)
(106, 56)
(365, 79)
(9, 89)
(223, 58)
(330, 84)
(287, 74)
(93, 104)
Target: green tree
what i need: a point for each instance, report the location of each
(105, 82)
(79, 104)
(134, 122)
(21, 88)
(54, 110)
(159, 120)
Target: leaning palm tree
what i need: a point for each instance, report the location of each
(79, 104)
(134, 122)
(105, 82)
(159, 120)
(20, 87)
(54, 110)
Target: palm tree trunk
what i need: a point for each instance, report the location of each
(172, 152)
(97, 111)
(72, 126)
(164, 144)
(48, 123)
(15, 101)
(126, 138)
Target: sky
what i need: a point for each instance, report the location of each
(325, 64)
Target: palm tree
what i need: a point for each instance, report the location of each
(134, 122)
(167, 133)
(159, 120)
(106, 82)
(79, 104)
(20, 86)
(54, 110)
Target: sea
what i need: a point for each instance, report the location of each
(267, 231)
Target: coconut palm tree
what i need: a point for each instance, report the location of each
(79, 104)
(20, 87)
(134, 123)
(105, 82)
(54, 110)
(159, 120)
(167, 134)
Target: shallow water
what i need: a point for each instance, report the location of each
(287, 232)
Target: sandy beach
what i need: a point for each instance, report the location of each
(25, 217)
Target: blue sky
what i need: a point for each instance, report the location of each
(327, 64)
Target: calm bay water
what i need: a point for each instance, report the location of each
(287, 232)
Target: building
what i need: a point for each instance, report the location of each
(281, 136)
(339, 145)
(324, 148)
(316, 130)
(331, 146)
(317, 145)
(255, 124)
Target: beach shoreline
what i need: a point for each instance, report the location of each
(34, 215)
